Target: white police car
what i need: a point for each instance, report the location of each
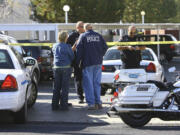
(35, 71)
(15, 83)
(112, 62)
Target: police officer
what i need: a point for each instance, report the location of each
(73, 37)
(91, 48)
(131, 55)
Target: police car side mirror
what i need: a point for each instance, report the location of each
(30, 62)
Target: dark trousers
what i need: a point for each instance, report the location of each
(78, 77)
(80, 89)
(61, 87)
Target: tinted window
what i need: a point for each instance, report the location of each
(146, 55)
(114, 54)
(170, 38)
(19, 57)
(5, 60)
(34, 50)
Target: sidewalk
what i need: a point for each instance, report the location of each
(41, 111)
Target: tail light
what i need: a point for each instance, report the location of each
(116, 77)
(151, 68)
(9, 83)
(172, 47)
(103, 68)
(115, 94)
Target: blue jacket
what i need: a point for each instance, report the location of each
(63, 54)
(91, 48)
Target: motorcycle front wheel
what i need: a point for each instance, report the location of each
(138, 119)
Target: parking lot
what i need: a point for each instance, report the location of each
(78, 113)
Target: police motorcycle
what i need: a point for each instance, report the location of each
(137, 103)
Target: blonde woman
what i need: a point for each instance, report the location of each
(63, 56)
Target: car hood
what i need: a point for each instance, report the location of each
(119, 62)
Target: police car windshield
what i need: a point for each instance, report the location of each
(114, 54)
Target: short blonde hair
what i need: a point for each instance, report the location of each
(62, 36)
(87, 26)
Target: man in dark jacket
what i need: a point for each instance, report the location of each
(91, 48)
(73, 37)
(131, 55)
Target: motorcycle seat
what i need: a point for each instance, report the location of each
(162, 86)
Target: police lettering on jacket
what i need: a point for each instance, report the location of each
(92, 38)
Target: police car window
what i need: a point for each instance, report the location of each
(146, 55)
(5, 60)
(112, 54)
(19, 57)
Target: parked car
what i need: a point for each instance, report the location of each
(43, 55)
(35, 72)
(167, 51)
(18, 89)
(112, 62)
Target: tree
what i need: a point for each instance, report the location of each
(157, 11)
(176, 19)
(85, 10)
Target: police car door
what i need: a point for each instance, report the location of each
(25, 79)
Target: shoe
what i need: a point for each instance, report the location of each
(98, 106)
(91, 107)
(81, 101)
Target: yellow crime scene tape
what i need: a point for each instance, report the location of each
(142, 43)
(108, 43)
(32, 44)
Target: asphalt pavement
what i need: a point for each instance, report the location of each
(78, 113)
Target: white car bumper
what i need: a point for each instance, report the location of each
(11, 101)
(107, 78)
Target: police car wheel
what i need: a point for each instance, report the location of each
(33, 95)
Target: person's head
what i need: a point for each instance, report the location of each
(132, 31)
(80, 27)
(62, 36)
(87, 26)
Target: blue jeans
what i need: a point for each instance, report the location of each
(91, 84)
(61, 87)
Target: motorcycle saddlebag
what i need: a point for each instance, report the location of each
(138, 94)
